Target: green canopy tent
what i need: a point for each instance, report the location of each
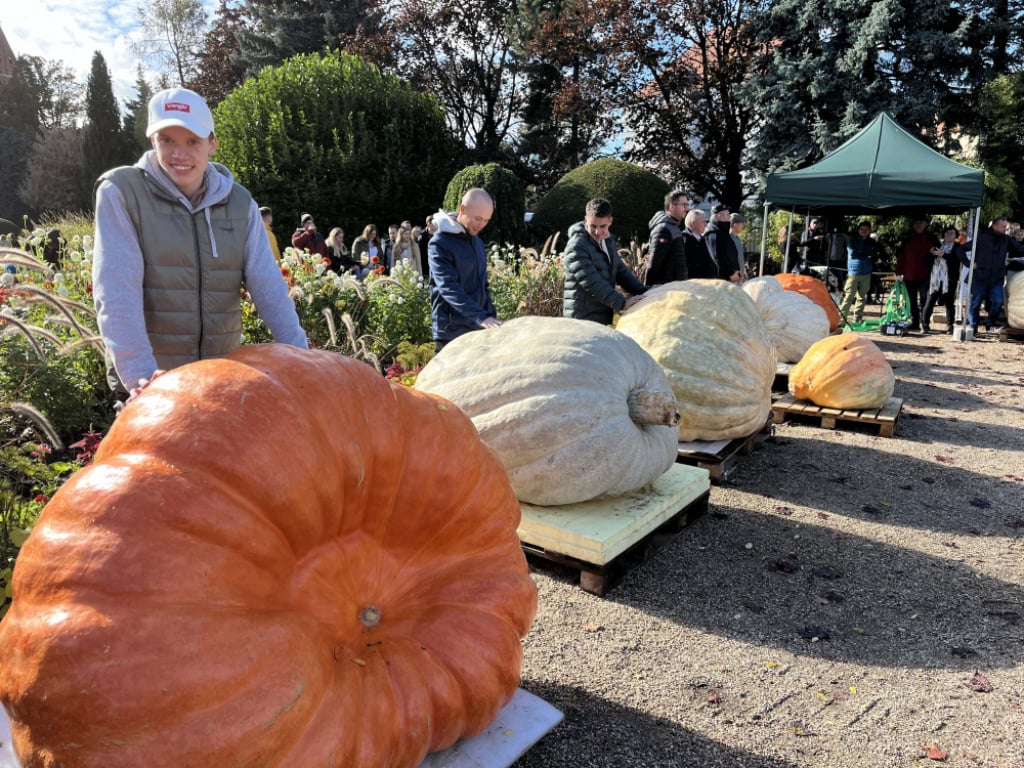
(883, 169)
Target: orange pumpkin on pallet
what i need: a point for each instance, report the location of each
(259, 571)
(844, 371)
(815, 290)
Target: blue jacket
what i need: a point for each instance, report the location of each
(459, 297)
(862, 253)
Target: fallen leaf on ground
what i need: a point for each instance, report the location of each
(979, 683)
(934, 752)
(944, 459)
(783, 511)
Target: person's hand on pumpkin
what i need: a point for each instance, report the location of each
(143, 383)
(490, 322)
(631, 301)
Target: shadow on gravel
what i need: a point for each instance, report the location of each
(855, 481)
(773, 581)
(598, 733)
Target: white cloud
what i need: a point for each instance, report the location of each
(71, 31)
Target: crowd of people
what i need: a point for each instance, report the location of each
(931, 268)
(369, 253)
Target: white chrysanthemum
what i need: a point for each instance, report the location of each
(6, 279)
(87, 242)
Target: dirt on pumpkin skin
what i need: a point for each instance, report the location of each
(849, 601)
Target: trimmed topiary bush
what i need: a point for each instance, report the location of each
(507, 225)
(635, 195)
(332, 135)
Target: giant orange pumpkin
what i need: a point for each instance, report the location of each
(276, 559)
(843, 371)
(815, 290)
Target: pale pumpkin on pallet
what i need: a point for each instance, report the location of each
(575, 410)
(794, 322)
(709, 338)
(846, 371)
(1015, 300)
(259, 569)
(815, 290)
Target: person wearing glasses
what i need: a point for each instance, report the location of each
(666, 256)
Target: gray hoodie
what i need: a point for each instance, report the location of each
(118, 271)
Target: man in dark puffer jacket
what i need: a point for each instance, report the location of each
(666, 259)
(593, 268)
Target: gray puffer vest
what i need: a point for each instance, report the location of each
(191, 294)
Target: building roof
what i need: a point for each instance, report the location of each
(7, 57)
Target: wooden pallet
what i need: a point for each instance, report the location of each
(604, 539)
(721, 463)
(884, 418)
(1015, 335)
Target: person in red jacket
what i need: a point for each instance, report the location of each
(307, 238)
(913, 262)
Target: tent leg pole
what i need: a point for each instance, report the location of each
(789, 239)
(764, 240)
(967, 333)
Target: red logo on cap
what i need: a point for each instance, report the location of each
(176, 106)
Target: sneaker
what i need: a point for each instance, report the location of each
(925, 329)
(949, 330)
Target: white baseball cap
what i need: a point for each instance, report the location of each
(182, 107)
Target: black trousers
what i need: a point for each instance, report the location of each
(946, 299)
(918, 291)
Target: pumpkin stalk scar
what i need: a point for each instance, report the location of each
(647, 407)
(370, 616)
(286, 708)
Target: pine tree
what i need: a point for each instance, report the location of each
(105, 143)
(137, 114)
(829, 67)
(219, 70)
(282, 29)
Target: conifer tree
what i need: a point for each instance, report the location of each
(105, 146)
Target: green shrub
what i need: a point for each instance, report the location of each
(525, 282)
(506, 225)
(635, 195)
(331, 135)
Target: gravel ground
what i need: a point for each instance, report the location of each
(849, 600)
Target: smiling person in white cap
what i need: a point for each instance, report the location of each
(176, 240)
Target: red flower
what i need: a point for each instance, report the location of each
(42, 498)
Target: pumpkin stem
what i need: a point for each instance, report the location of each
(652, 408)
(370, 615)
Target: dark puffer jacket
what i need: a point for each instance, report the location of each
(591, 277)
(666, 260)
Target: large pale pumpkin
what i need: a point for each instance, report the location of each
(574, 409)
(845, 371)
(815, 290)
(1015, 300)
(709, 338)
(794, 322)
(276, 559)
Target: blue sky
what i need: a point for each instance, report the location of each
(72, 30)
